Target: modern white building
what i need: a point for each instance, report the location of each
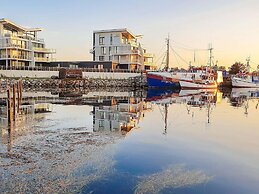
(120, 46)
(21, 47)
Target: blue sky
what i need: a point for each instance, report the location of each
(231, 26)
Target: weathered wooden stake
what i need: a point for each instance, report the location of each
(18, 96)
(14, 101)
(9, 107)
(20, 92)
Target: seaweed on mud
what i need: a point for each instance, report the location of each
(173, 177)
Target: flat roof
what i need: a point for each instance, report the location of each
(123, 30)
(12, 26)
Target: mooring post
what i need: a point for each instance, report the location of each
(9, 107)
(18, 98)
(14, 101)
(20, 91)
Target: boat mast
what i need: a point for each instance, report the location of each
(210, 49)
(248, 64)
(167, 53)
(166, 115)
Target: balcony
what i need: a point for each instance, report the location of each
(14, 46)
(148, 55)
(16, 57)
(43, 59)
(44, 50)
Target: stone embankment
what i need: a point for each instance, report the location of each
(136, 82)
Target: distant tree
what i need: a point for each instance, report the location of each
(221, 68)
(236, 68)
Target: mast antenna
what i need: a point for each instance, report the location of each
(167, 52)
(210, 50)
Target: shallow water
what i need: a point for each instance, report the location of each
(166, 142)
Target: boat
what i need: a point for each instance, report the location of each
(195, 78)
(165, 78)
(246, 80)
(202, 80)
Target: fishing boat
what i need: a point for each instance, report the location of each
(202, 80)
(165, 78)
(194, 79)
(246, 80)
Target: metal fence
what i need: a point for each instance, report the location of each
(26, 68)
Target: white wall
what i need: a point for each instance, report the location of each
(31, 74)
(48, 74)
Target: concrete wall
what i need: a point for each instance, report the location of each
(31, 74)
(48, 74)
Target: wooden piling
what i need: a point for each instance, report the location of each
(14, 102)
(9, 107)
(18, 97)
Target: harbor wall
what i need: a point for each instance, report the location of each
(48, 74)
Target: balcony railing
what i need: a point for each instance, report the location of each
(24, 37)
(19, 57)
(44, 50)
(16, 46)
(43, 59)
(148, 55)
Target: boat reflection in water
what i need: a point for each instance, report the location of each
(240, 97)
(202, 98)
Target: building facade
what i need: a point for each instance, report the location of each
(20, 47)
(120, 46)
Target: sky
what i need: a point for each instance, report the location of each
(232, 26)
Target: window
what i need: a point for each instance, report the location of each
(101, 58)
(103, 51)
(110, 58)
(101, 40)
(111, 39)
(110, 50)
(116, 49)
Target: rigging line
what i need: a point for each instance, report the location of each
(162, 61)
(176, 59)
(179, 56)
(187, 47)
(156, 61)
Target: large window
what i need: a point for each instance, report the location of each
(116, 50)
(101, 40)
(103, 50)
(101, 58)
(111, 39)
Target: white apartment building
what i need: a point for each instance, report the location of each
(21, 47)
(120, 46)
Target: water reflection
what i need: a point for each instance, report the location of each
(118, 115)
(192, 98)
(54, 152)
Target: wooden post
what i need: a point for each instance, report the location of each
(18, 97)
(14, 101)
(20, 91)
(9, 107)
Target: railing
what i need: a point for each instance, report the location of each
(23, 37)
(11, 45)
(26, 68)
(43, 59)
(21, 57)
(44, 50)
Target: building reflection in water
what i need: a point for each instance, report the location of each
(119, 115)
